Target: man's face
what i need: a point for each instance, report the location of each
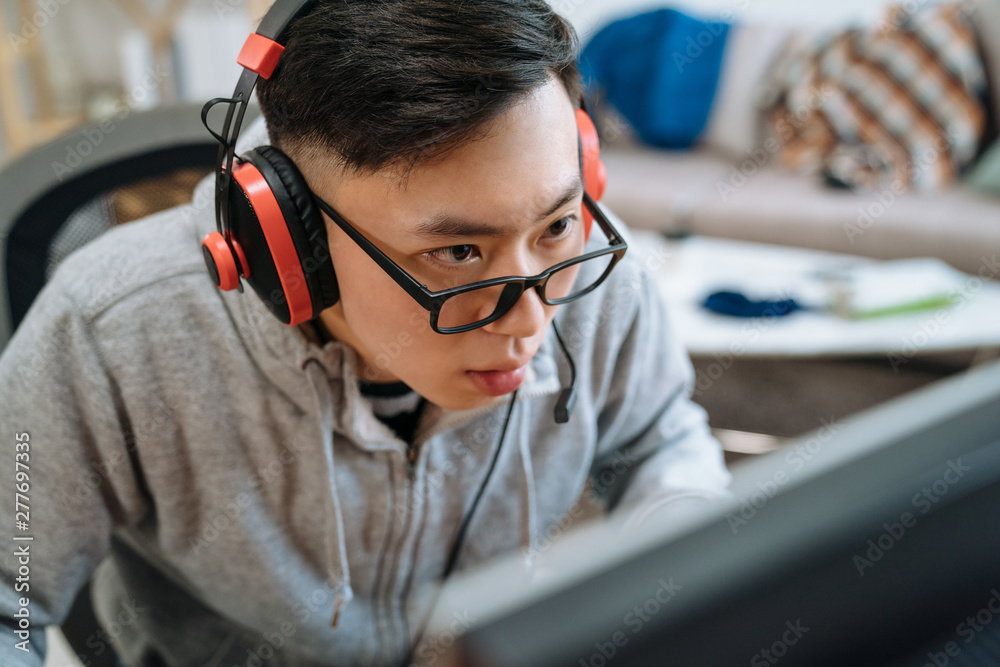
(506, 204)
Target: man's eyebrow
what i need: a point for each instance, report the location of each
(457, 226)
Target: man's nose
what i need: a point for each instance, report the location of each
(524, 319)
(527, 317)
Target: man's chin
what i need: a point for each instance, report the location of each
(465, 400)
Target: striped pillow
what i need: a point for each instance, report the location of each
(895, 106)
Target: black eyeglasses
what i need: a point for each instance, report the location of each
(476, 304)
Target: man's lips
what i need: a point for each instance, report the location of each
(498, 382)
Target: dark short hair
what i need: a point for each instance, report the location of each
(386, 83)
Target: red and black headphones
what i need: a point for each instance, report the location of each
(270, 231)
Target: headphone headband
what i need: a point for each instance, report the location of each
(259, 56)
(275, 23)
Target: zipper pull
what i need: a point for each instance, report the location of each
(411, 457)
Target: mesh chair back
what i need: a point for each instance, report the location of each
(71, 190)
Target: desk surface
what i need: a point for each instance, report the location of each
(691, 268)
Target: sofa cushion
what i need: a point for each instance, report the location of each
(734, 125)
(954, 224)
(660, 69)
(702, 193)
(658, 189)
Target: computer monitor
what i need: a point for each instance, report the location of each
(875, 541)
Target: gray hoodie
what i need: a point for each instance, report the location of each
(233, 496)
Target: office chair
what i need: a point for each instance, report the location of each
(68, 192)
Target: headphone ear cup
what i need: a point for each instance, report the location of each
(252, 207)
(305, 224)
(266, 205)
(595, 176)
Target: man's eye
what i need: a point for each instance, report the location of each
(561, 226)
(455, 253)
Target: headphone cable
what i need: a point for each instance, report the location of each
(456, 547)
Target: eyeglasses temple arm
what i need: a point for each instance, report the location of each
(396, 272)
(613, 235)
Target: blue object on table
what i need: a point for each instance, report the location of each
(660, 70)
(738, 305)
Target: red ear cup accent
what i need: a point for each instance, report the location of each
(244, 265)
(279, 241)
(602, 180)
(595, 176)
(219, 261)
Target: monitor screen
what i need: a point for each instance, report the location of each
(874, 542)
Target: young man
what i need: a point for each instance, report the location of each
(269, 490)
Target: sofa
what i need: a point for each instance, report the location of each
(729, 186)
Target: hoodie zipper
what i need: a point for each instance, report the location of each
(412, 454)
(413, 451)
(411, 459)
